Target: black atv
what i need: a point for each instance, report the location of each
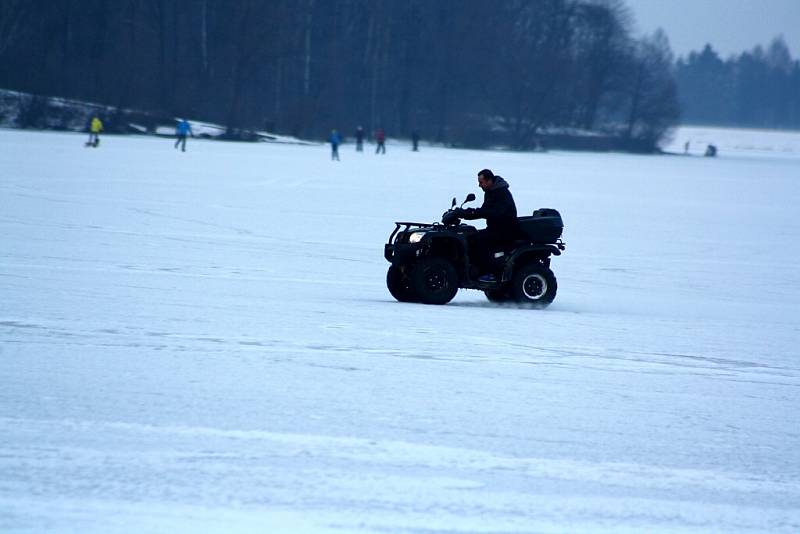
(431, 261)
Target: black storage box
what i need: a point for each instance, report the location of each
(543, 227)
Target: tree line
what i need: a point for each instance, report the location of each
(472, 72)
(759, 88)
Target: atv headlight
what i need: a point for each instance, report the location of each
(416, 237)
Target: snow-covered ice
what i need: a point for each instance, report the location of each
(736, 141)
(203, 341)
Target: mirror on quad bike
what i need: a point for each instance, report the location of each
(469, 198)
(453, 205)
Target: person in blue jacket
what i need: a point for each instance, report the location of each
(335, 140)
(182, 130)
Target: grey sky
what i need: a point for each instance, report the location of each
(731, 26)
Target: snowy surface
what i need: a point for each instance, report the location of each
(736, 142)
(203, 341)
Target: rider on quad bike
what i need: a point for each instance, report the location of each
(500, 213)
(431, 261)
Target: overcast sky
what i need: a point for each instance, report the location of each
(731, 26)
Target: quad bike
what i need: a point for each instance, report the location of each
(431, 261)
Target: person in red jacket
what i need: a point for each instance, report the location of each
(380, 138)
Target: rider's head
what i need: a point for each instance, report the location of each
(485, 179)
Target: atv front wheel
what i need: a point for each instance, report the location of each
(399, 285)
(434, 280)
(535, 285)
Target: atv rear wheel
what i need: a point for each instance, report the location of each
(400, 285)
(434, 280)
(534, 285)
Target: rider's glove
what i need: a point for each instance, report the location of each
(451, 216)
(468, 213)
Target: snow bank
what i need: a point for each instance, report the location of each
(54, 113)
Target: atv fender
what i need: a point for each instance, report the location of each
(401, 254)
(528, 253)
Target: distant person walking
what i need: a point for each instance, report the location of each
(182, 130)
(335, 140)
(380, 138)
(359, 139)
(95, 127)
(415, 141)
(686, 147)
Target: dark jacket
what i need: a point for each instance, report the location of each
(498, 209)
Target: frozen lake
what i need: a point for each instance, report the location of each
(203, 341)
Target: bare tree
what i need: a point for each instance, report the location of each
(653, 92)
(13, 23)
(601, 43)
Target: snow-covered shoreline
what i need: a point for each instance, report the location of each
(64, 114)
